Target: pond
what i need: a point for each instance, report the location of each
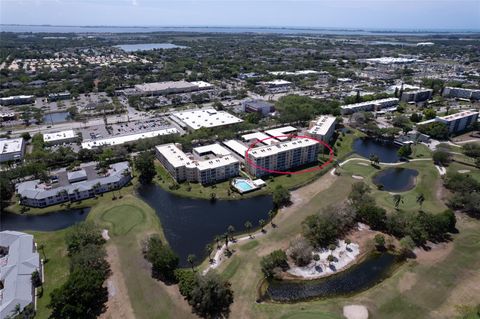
(356, 279)
(190, 224)
(44, 222)
(148, 46)
(386, 151)
(396, 179)
(57, 117)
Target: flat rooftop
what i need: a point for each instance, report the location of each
(199, 118)
(164, 86)
(259, 136)
(458, 115)
(215, 149)
(276, 132)
(237, 147)
(322, 125)
(355, 105)
(127, 138)
(269, 150)
(58, 136)
(11, 145)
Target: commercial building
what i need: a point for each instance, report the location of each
(417, 95)
(195, 119)
(7, 116)
(472, 94)
(207, 165)
(59, 96)
(168, 87)
(257, 106)
(277, 86)
(72, 186)
(282, 156)
(374, 105)
(62, 137)
(12, 149)
(17, 100)
(118, 140)
(18, 260)
(322, 128)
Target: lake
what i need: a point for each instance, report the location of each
(44, 222)
(396, 179)
(57, 117)
(386, 151)
(190, 224)
(148, 46)
(356, 279)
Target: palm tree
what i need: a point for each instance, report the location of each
(226, 240)
(217, 240)
(332, 247)
(17, 310)
(248, 226)
(420, 199)
(230, 231)
(41, 247)
(191, 260)
(271, 215)
(347, 242)
(209, 250)
(330, 259)
(261, 223)
(397, 199)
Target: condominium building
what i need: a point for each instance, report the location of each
(374, 105)
(473, 94)
(459, 121)
(76, 185)
(282, 156)
(207, 165)
(12, 149)
(322, 128)
(17, 100)
(417, 95)
(18, 260)
(68, 136)
(257, 106)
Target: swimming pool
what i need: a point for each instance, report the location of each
(243, 186)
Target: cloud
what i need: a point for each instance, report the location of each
(134, 3)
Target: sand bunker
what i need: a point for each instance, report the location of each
(357, 176)
(355, 312)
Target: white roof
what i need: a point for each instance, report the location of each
(302, 72)
(258, 136)
(16, 270)
(374, 102)
(457, 116)
(269, 150)
(322, 125)
(236, 146)
(127, 138)
(11, 145)
(177, 158)
(164, 86)
(58, 136)
(281, 131)
(391, 60)
(278, 82)
(206, 118)
(215, 148)
(202, 84)
(16, 97)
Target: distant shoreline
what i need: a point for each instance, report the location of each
(24, 28)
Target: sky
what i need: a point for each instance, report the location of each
(376, 14)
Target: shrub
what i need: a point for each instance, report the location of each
(300, 251)
(270, 263)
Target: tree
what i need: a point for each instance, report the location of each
(406, 245)
(209, 250)
(359, 195)
(211, 296)
(379, 240)
(404, 151)
(275, 260)
(231, 231)
(91, 257)
(429, 113)
(81, 235)
(36, 279)
(164, 261)
(436, 130)
(271, 215)
(332, 247)
(347, 242)
(373, 216)
(320, 230)
(420, 199)
(191, 260)
(280, 196)
(397, 199)
(81, 296)
(217, 240)
(441, 157)
(26, 136)
(146, 167)
(374, 159)
(262, 223)
(248, 226)
(300, 251)
(186, 281)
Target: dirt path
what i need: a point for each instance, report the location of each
(118, 305)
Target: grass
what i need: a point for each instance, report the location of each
(455, 167)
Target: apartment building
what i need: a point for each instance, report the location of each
(417, 95)
(322, 128)
(282, 156)
(459, 121)
(208, 164)
(374, 105)
(472, 94)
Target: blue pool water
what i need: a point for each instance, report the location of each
(243, 186)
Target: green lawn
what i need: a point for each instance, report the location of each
(455, 167)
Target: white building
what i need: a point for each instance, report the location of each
(18, 260)
(417, 95)
(461, 93)
(282, 156)
(12, 149)
(459, 121)
(17, 100)
(374, 105)
(68, 136)
(195, 119)
(168, 87)
(281, 133)
(322, 128)
(76, 185)
(118, 140)
(213, 163)
(257, 106)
